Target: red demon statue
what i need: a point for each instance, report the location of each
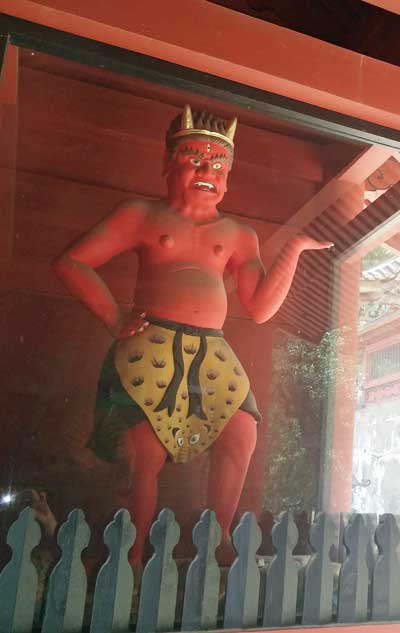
(171, 386)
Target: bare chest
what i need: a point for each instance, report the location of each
(180, 240)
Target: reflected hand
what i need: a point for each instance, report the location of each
(134, 325)
(43, 512)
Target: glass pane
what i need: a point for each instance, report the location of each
(86, 140)
(376, 457)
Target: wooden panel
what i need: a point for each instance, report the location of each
(75, 206)
(7, 196)
(106, 138)
(261, 193)
(90, 134)
(8, 148)
(300, 159)
(35, 276)
(168, 94)
(62, 203)
(97, 109)
(33, 238)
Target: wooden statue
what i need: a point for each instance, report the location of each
(171, 386)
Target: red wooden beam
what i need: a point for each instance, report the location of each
(213, 39)
(388, 5)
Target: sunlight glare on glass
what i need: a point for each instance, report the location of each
(7, 498)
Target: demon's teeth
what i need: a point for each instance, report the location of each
(201, 183)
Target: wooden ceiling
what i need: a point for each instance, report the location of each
(351, 24)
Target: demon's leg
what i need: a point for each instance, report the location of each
(229, 461)
(146, 456)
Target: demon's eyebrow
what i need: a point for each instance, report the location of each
(190, 150)
(221, 157)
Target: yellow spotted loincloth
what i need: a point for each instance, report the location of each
(187, 381)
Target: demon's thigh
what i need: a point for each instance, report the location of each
(143, 451)
(229, 461)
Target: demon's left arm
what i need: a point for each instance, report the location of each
(262, 293)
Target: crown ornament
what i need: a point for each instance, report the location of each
(188, 129)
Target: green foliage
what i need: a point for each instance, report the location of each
(302, 374)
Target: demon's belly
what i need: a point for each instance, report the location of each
(187, 295)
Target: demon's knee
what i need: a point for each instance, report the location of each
(238, 439)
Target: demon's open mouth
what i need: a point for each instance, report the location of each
(204, 186)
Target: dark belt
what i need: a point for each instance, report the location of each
(168, 401)
(185, 328)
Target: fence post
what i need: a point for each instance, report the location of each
(353, 579)
(200, 606)
(386, 578)
(160, 578)
(371, 520)
(319, 572)
(243, 583)
(112, 601)
(66, 596)
(19, 579)
(282, 575)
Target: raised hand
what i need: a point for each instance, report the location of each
(307, 243)
(43, 511)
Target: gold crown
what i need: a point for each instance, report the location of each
(187, 128)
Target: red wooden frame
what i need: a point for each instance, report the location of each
(388, 5)
(293, 65)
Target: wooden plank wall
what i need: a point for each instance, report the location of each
(82, 147)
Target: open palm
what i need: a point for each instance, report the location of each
(307, 243)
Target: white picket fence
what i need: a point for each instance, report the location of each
(278, 591)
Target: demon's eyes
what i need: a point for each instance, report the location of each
(180, 441)
(194, 438)
(196, 162)
(217, 166)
